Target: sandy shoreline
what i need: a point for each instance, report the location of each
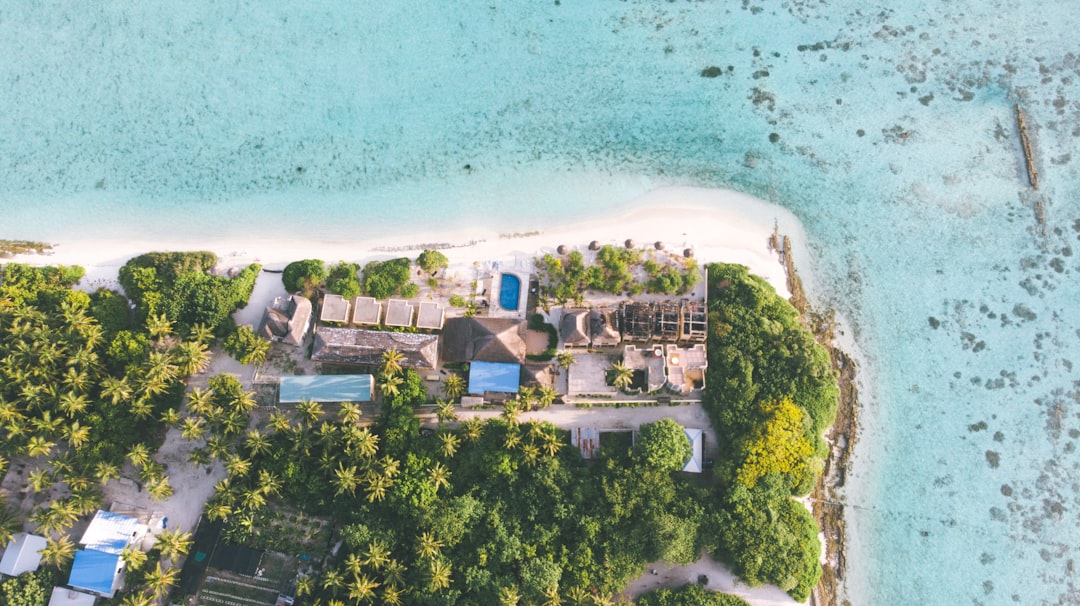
(718, 225)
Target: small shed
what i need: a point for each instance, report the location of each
(64, 596)
(112, 532)
(494, 377)
(696, 437)
(97, 572)
(398, 313)
(21, 554)
(366, 310)
(325, 388)
(335, 308)
(431, 315)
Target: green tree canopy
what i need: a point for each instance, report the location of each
(385, 278)
(344, 280)
(27, 589)
(432, 261)
(663, 444)
(305, 275)
(689, 595)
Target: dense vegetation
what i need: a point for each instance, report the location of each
(304, 276)
(82, 402)
(27, 589)
(617, 271)
(432, 261)
(689, 595)
(383, 279)
(344, 280)
(180, 287)
(771, 392)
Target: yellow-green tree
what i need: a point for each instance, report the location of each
(779, 445)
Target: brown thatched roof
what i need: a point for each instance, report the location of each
(287, 321)
(484, 340)
(365, 347)
(574, 328)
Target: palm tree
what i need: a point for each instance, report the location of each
(304, 585)
(279, 421)
(391, 362)
(377, 554)
(173, 543)
(377, 487)
(349, 412)
(365, 443)
(527, 397)
(38, 446)
(552, 444)
(201, 333)
(332, 580)
(139, 455)
(509, 596)
(191, 357)
(512, 439)
(134, 558)
(158, 581)
(269, 482)
(77, 435)
(39, 480)
(257, 443)
(105, 471)
(346, 479)
(394, 574)
(621, 376)
(450, 443)
(10, 524)
(252, 500)
(445, 412)
(390, 466)
(565, 360)
(546, 396)
(474, 428)
(392, 595)
(218, 511)
(159, 488)
(454, 386)
(439, 575)
(511, 412)
(116, 390)
(200, 400)
(192, 428)
(531, 452)
(578, 595)
(236, 465)
(439, 476)
(58, 551)
(362, 588)
(390, 384)
(244, 402)
(158, 326)
(258, 350)
(428, 546)
(310, 409)
(72, 404)
(354, 563)
(552, 595)
(138, 599)
(170, 417)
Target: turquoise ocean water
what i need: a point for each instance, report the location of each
(886, 127)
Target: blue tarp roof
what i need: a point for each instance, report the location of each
(325, 388)
(94, 571)
(499, 377)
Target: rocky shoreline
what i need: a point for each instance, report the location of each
(825, 500)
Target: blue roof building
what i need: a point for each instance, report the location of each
(97, 572)
(325, 388)
(495, 377)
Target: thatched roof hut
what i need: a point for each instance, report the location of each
(594, 245)
(629, 243)
(658, 245)
(561, 249)
(689, 252)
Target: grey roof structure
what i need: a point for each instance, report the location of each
(537, 374)
(287, 321)
(484, 340)
(398, 313)
(574, 328)
(366, 310)
(604, 327)
(335, 308)
(365, 347)
(22, 554)
(431, 315)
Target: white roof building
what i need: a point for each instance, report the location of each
(62, 596)
(696, 436)
(22, 554)
(112, 532)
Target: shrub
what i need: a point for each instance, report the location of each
(432, 261)
(663, 445)
(305, 275)
(458, 301)
(410, 290)
(383, 279)
(344, 280)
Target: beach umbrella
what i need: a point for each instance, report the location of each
(689, 252)
(561, 249)
(594, 245)
(659, 245)
(629, 243)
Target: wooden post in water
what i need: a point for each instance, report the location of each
(1029, 159)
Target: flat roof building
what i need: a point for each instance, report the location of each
(64, 596)
(335, 308)
(325, 388)
(494, 377)
(398, 313)
(22, 554)
(430, 316)
(366, 310)
(112, 532)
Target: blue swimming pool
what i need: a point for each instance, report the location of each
(509, 289)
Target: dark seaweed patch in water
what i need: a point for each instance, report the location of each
(993, 458)
(774, 137)
(711, 72)
(934, 322)
(1006, 490)
(980, 426)
(999, 437)
(1023, 312)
